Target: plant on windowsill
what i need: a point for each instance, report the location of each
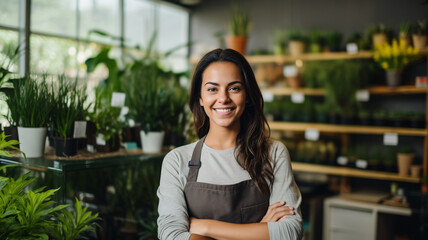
(240, 26)
(393, 58)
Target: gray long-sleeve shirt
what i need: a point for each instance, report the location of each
(220, 167)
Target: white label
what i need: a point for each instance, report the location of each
(123, 112)
(360, 163)
(342, 160)
(312, 134)
(290, 71)
(268, 96)
(100, 140)
(362, 95)
(90, 148)
(56, 164)
(390, 139)
(118, 99)
(352, 48)
(297, 97)
(79, 129)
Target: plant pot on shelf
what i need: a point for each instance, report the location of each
(296, 48)
(12, 133)
(419, 41)
(406, 39)
(379, 38)
(111, 145)
(32, 141)
(393, 77)
(238, 43)
(65, 147)
(152, 141)
(404, 161)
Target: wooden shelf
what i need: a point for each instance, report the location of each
(350, 172)
(376, 90)
(301, 127)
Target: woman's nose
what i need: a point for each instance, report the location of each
(223, 97)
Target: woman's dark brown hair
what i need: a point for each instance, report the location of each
(252, 143)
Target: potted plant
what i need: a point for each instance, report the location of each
(240, 25)
(389, 160)
(378, 34)
(405, 157)
(316, 41)
(364, 117)
(178, 115)
(420, 35)
(296, 42)
(280, 40)
(375, 158)
(108, 127)
(404, 34)
(393, 58)
(33, 99)
(6, 144)
(334, 41)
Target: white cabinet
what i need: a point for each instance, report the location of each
(351, 220)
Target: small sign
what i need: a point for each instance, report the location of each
(390, 139)
(79, 129)
(100, 140)
(118, 99)
(312, 134)
(268, 96)
(90, 148)
(363, 95)
(342, 160)
(290, 71)
(361, 163)
(352, 48)
(297, 97)
(123, 111)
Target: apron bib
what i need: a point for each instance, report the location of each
(236, 203)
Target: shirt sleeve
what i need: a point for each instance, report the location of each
(285, 189)
(173, 220)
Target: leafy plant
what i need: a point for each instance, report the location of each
(395, 55)
(240, 22)
(405, 28)
(295, 35)
(334, 40)
(7, 144)
(316, 41)
(420, 28)
(107, 121)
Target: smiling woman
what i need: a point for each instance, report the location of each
(235, 182)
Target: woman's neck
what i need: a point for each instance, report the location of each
(221, 139)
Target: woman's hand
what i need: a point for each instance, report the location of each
(197, 226)
(277, 212)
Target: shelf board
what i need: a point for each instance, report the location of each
(350, 172)
(375, 90)
(301, 127)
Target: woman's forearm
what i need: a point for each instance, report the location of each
(199, 237)
(232, 231)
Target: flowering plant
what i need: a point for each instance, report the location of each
(395, 55)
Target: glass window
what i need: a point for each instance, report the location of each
(54, 17)
(101, 15)
(53, 55)
(139, 22)
(9, 13)
(172, 29)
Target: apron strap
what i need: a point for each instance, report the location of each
(195, 162)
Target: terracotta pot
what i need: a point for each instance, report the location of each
(293, 82)
(406, 38)
(419, 41)
(379, 38)
(404, 162)
(415, 171)
(296, 48)
(238, 43)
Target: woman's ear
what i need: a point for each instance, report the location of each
(201, 102)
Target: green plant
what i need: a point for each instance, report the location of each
(316, 41)
(33, 215)
(406, 149)
(295, 35)
(420, 28)
(240, 22)
(107, 121)
(377, 28)
(31, 100)
(7, 144)
(405, 28)
(334, 40)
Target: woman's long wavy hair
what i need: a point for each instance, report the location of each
(252, 143)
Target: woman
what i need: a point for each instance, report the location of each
(221, 186)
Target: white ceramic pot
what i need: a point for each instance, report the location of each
(152, 141)
(32, 141)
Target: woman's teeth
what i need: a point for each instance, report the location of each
(224, 110)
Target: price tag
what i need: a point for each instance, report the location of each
(56, 164)
(297, 97)
(362, 95)
(290, 71)
(90, 148)
(118, 99)
(352, 48)
(79, 129)
(342, 160)
(312, 134)
(361, 163)
(100, 140)
(268, 96)
(123, 112)
(390, 139)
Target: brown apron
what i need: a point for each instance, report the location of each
(236, 203)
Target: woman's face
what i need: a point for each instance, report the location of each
(223, 95)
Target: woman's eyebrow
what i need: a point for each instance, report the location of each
(216, 84)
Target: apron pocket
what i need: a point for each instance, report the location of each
(254, 213)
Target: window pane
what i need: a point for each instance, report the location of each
(173, 29)
(102, 15)
(54, 17)
(9, 13)
(139, 22)
(53, 55)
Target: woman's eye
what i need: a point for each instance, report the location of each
(212, 89)
(235, 89)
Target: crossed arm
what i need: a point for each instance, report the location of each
(213, 229)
